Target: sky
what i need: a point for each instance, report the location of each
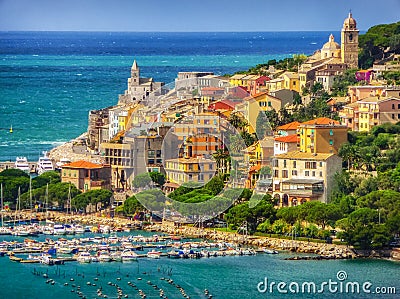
(189, 15)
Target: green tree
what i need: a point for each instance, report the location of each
(157, 177)
(142, 180)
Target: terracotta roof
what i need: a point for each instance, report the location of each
(290, 126)
(296, 155)
(289, 139)
(255, 168)
(321, 121)
(82, 164)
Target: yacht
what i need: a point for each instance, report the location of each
(44, 164)
(62, 162)
(59, 229)
(128, 255)
(22, 164)
(84, 257)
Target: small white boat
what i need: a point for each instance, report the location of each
(62, 162)
(46, 259)
(104, 256)
(21, 163)
(84, 257)
(128, 255)
(116, 256)
(270, 251)
(59, 229)
(154, 254)
(79, 229)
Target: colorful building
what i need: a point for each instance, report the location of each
(184, 170)
(299, 177)
(369, 112)
(87, 176)
(321, 135)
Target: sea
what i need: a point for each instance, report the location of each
(224, 277)
(49, 81)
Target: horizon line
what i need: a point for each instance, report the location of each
(148, 31)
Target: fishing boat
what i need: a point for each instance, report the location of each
(128, 255)
(21, 163)
(44, 164)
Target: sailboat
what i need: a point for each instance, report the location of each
(11, 129)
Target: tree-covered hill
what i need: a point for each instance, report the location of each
(379, 42)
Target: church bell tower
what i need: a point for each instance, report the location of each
(349, 47)
(135, 74)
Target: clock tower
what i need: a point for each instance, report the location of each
(349, 47)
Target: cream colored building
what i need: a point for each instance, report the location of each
(183, 170)
(300, 177)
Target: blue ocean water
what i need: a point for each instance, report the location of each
(227, 277)
(50, 80)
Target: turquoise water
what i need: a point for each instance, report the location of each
(224, 277)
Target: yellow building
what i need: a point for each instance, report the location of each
(321, 135)
(236, 80)
(363, 115)
(251, 106)
(291, 81)
(183, 170)
(300, 177)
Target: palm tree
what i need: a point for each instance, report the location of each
(221, 157)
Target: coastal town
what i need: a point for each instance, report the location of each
(280, 133)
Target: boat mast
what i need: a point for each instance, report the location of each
(30, 194)
(69, 200)
(47, 200)
(2, 207)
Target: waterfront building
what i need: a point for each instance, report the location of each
(321, 135)
(299, 177)
(359, 92)
(86, 175)
(369, 112)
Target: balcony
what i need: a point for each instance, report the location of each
(303, 187)
(98, 183)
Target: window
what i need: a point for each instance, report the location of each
(311, 165)
(150, 154)
(320, 174)
(158, 153)
(275, 163)
(294, 172)
(392, 116)
(320, 164)
(276, 173)
(330, 142)
(284, 164)
(392, 106)
(331, 132)
(398, 106)
(306, 173)
(294, 164)
(285, 174)
(269, 104)
(313, 173)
